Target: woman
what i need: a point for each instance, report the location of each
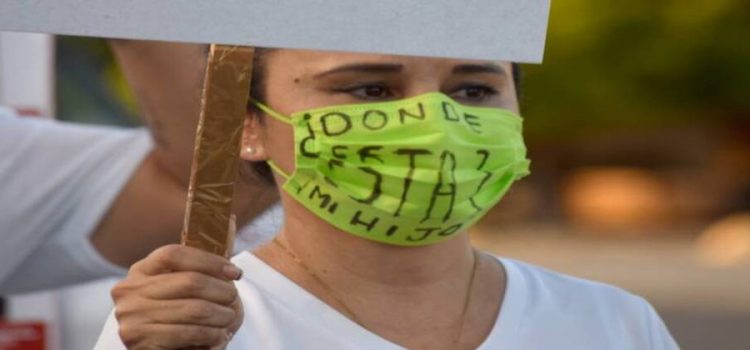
(383, 163)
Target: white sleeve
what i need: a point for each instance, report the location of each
(57, 180)
(109, 339)
(660, 338)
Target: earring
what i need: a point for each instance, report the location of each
(250, 150)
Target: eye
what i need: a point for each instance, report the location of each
(474, 93)
(369, 91)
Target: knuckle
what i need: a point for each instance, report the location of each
(238, 308)
(120, 314)
(126, 289)
(232, 294)
(192, 281)
(136, 267)
(227, 295)
(203, 335)
(228, 316)
(213, 336)
(118, 291)
(128, 334)
(199, 311)
(123, 311)
(168, 254)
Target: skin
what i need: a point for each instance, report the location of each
(179, 297)
(411, 296)
(148, 213)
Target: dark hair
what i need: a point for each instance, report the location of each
(251, 171)
(255, 170)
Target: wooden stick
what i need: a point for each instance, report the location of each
(217, 146)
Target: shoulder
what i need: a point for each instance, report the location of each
(29, 134)
(553, 286)
(41, 143)
(555, 302)
(38, 144)
(545, 289)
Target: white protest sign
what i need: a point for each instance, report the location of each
(512, 30)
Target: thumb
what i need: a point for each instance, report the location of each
(231, 230)
(232, 225)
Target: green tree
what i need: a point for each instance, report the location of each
(640, 63)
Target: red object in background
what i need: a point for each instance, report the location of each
(28, 112)
(22, 336)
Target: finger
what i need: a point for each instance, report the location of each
(186, 312)
(171, 336)
(177, 258)
(239, 311)
(189, 285)
(232, 225)
(191, 312)
(231, 232)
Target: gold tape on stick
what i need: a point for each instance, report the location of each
(217, 145)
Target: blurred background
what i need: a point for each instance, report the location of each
(638, 127)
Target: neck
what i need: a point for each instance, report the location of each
(348, 258)
(415, 296)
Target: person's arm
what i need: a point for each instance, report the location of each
(57, 181)
(167, 79)
(84, 202)
(659, 336)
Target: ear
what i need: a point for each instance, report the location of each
(253, 149)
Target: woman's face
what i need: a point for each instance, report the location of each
(299, 80)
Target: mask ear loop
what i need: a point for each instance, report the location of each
(282, 118)
(275, 167)
(267, 110)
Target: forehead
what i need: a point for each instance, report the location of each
(314, 60)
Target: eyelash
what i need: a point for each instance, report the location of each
(489, 91)
(351, 89)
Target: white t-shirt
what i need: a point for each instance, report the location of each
(541, 310)
(56, 182)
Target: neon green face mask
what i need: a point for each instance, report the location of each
(409, 172)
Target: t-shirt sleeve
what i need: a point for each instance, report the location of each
(659, 336)
(57, 180)
(109, 339)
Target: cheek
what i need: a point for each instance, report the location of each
(511, 103)
(510, 95)
(278, 141)
(510, 99)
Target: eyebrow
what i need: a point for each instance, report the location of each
(363, 68)
(479, 68)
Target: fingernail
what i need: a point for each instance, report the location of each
(232, 272)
